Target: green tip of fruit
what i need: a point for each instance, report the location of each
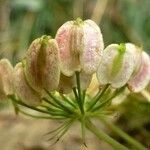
(23, 62)
(78, 21)
(44, 40)
(46, 37)
(122, 48)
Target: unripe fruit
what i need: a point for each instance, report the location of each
(42, 64)
(24, 92)
(141, 78)
(81, 44)
(136, 52)
(6, 85)
(116, 66)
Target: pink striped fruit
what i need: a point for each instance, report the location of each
(6, 84)
(24, 92)
(116, 66)
(81, 44)
(141, 78)
(42, 64)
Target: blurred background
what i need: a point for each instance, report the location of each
(21, 21)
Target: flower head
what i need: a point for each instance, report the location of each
(6, 85)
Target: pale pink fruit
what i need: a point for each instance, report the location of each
(81, 44)
(42, 64)
(142, 77)
(93, 47)
(136, 52)
(6, 85)
(116, 66)
(23, 90)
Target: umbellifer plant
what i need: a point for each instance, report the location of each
(57, 75)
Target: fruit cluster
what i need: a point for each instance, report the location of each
(51, 64)
(56, 75)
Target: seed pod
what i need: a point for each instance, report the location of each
(136, 52)
(42, 64)
(93, 47)
(6, 85)
(116, 66)
(141, 79)
(80, 45)
(24, 92)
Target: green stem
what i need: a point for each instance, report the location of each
(40, 117)
(103, 136)
(79, 92)
(65, 108)
(65, 130)
(51, 103)
(77, 99)
(57, 129)
(122, 134)
(16, 109)
(55, 111)
(51, 113)
(94, 102)
(75, 94)
(103, 103)
(68, 101)
(60, 130)
(25, 105)
(83, 97)
(116, 93)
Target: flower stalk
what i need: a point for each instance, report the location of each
(103, 136)
(122, 134)
(98, 98)
(80, 99)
